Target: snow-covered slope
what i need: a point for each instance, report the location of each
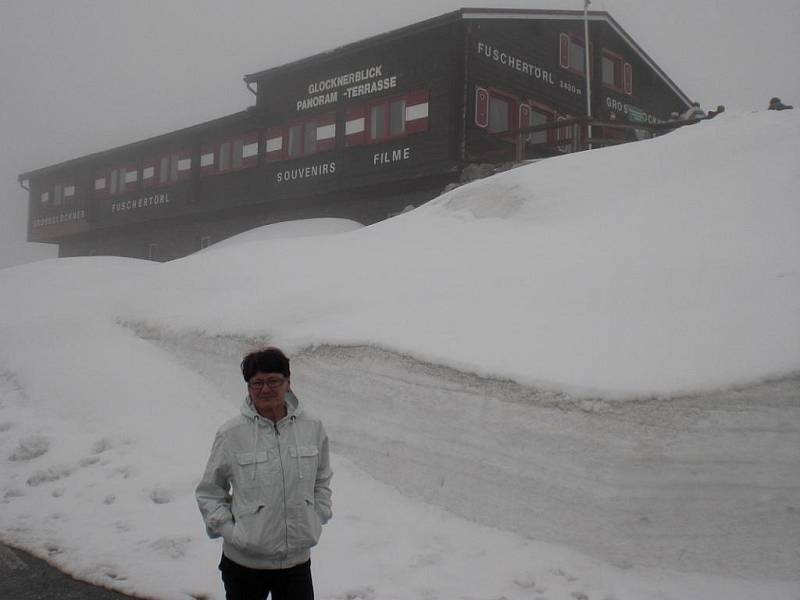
(598, 352)
(666, 266)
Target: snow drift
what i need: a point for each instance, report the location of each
(598, 352)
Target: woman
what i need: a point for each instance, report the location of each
(266, 488)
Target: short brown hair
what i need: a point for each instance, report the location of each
(265, 360)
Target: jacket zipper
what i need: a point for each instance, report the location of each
(283, 477)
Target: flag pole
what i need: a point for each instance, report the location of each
(586, 4)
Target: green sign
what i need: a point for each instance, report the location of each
(636, 115)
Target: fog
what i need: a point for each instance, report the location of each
(82, 76)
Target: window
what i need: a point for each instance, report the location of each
(386, 119)
(572, 53)
(312, 135)
(538, 114)
(499, 114)
(377, 122)
(397, 116)
(310, 138)
(116, 180)
(224, 156)
(495, 110)
(294, 145)
(567, 135)
(166, 169)
(612, 70)
(616, 73)
(58, 194)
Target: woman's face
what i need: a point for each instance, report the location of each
(268, 393)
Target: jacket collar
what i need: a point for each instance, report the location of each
(293, 408)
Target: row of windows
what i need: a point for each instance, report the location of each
(497, 112)
(615, 72)
(375, 122)
(58, 194)
(155, 172)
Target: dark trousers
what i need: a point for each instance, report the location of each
(243, 583)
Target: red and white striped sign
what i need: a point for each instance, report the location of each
(274, 143)
(417, 111)
(355, 126)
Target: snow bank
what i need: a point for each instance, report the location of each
(663, 267)
(653, 268)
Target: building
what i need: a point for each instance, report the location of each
(360, 132)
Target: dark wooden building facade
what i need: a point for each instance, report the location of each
(361, 132)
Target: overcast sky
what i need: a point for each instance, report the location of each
(79, 76)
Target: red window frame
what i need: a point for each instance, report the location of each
(119, 173)
(215, 149)
(619, 67)
(387, 119)
(49, 193)
(513, 109)
(566, 40)
(627, 78)
(103, 191)
(415, 118)
(156, 162)
(283, 132)
(551, 115)
(481, 107)
(152, 180)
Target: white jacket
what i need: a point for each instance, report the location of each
(266, 488)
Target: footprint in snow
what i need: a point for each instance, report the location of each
(565, 575)
(30, 447)
(526, 582)
(171, 547)
(47, 475)
(13, 493)
(160, 495)
(122, 472)
(101, 445)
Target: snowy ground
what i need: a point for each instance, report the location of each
(533, 390)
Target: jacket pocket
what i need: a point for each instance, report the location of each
(307, 525)
(248, 458)
(306, 457)
(258, 531)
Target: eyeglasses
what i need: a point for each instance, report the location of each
(272, 383)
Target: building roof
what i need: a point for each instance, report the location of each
(477, 14)
(164, 137)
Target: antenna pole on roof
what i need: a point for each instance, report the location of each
(586, 4)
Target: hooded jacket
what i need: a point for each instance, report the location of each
(266, 488)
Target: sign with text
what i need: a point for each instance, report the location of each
(354, 84)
